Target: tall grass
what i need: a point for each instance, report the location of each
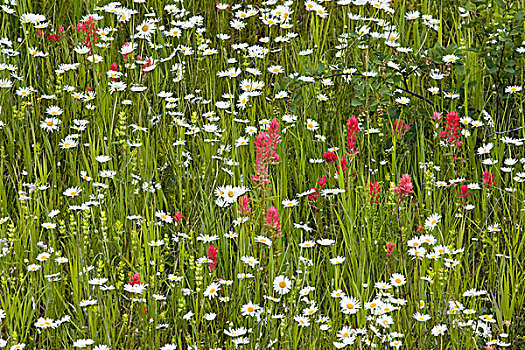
(151, 209)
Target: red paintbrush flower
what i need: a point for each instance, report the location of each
(212, 255)
(464, 191)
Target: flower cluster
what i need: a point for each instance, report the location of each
(266, 149)
(452, 130)
(352, 128)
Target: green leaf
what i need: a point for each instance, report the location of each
(519, 15)
(450, 49)
(356, 102)
(384, 91)
(509, 70)
(500, 3)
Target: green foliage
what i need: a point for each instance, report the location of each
(92, 198)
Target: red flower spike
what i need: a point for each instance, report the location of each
(212, 255)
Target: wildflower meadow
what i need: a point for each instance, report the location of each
(270, 174)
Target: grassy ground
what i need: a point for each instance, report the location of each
(279, 174)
